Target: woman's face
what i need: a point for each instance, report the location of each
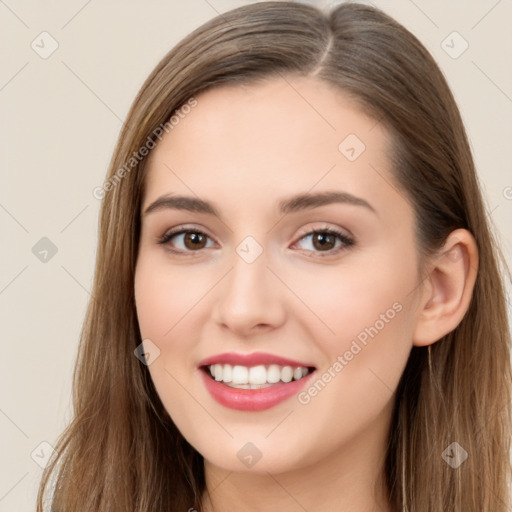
(262, 166)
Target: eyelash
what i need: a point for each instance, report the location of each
(346, 240)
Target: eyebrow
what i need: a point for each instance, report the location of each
(292, 204)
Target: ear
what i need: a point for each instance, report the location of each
(447, 289)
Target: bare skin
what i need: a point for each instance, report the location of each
(244, 149)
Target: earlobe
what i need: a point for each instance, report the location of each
(448, 288)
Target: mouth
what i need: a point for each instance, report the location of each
(255, 381)
(255, 377)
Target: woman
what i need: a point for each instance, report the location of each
(298, 303)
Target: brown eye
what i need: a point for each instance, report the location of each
(324, 241)
(327, 241)
(194, 240)
(185, 240)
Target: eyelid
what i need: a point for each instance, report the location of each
(186, 227)
(324, 227)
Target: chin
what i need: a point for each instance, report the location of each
(258, 457)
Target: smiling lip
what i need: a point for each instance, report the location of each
(252, 399)
(253, 359)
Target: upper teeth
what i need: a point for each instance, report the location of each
(256, 375)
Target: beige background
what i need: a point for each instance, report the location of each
(60, 119)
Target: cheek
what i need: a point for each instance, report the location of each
(349, 300)
(367, 326)
(172, 308)
(371, 314)
(163, 296)
(365, 360)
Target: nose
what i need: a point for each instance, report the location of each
(250, 298)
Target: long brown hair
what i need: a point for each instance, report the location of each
(122, 451)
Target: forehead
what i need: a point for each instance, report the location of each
(283, 113)
(277, 137)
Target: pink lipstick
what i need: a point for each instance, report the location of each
(253, 382)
